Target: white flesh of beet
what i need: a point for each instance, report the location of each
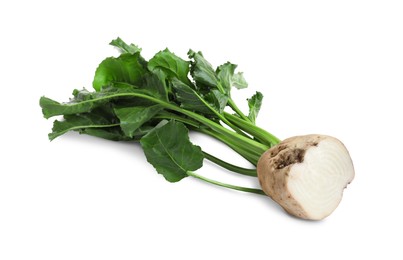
(306, 175)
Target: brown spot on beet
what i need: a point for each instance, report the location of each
(277, 149)
(289, 157)
(300, 155)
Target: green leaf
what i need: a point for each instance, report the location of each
(116, 133)
(131, 118)
(171, 65)
(82, 95)
(239, 81)
(155, 82)
(101, 122)
(170, 151)
(53, 108)
(254, 103)
(127, 68)
(225, 73)
(188, 98)
(77, 122)
(217, 100)
(228, 78)
(201, 70)
(109, 133)
(124, 47)
(86, 101)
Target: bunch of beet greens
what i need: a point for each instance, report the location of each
(157, 102)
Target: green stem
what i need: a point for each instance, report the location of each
(231, 167)
(254, 130)
(221, 117)
(168, 115)
(226, 165)
(252, 157)
(237, 138)
(229, 186)
(234, 107)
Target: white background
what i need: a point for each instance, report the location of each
(332, 67)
